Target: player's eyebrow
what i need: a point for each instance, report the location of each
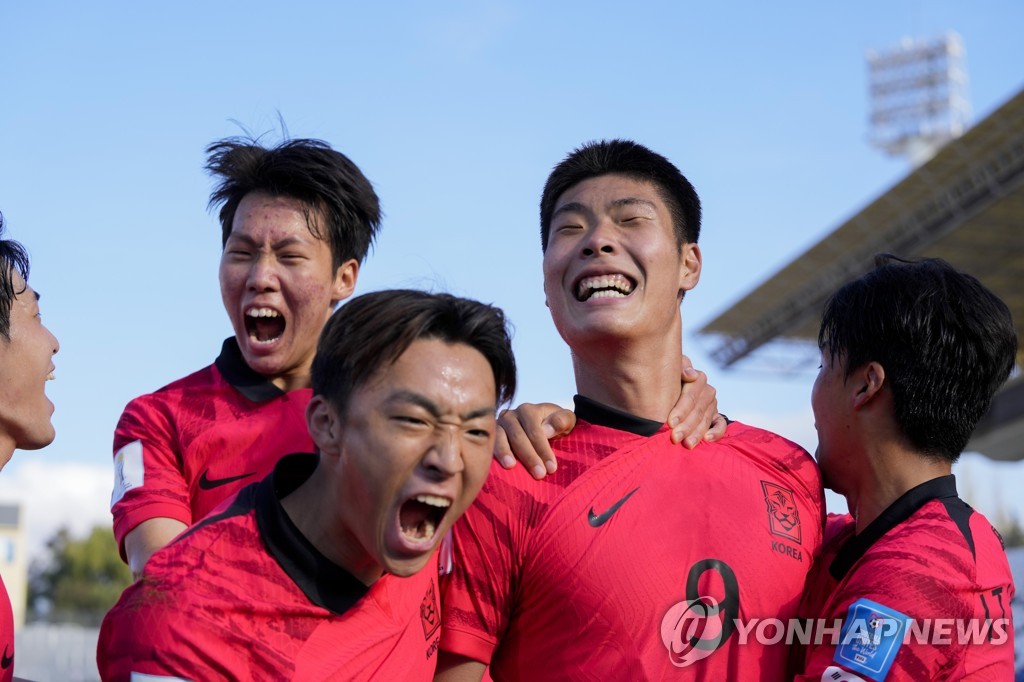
(577, 207)
(287, 241)
(432, 407)
(634, 201)
(37, 295)
(571, 207)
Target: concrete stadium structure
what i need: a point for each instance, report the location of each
(966, 205)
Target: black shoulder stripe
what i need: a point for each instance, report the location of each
(960, 512)
(241, 506)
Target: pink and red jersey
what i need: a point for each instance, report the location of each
(181, 451)
(635, 559)
(243, 595)
(6, 635)
(923, 593)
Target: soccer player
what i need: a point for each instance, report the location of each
(297, 220)
(635, 557)
(26, 364)
(911, 354)
(327, 568)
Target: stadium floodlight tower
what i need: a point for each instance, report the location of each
(918, 96)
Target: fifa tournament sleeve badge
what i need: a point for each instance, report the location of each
(129, 471)
(871, 636)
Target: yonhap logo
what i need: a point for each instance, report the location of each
(692, 630)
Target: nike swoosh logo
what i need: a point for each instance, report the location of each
(597, 520)
(207, 483)
(6, 661)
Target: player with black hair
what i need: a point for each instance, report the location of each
(297, 221)
(911, 354)
(26, 363)
(327, 569)
(635, 557)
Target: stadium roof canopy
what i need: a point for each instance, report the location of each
(966, 205)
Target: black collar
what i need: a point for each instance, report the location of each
(941, 488)
(603, 415)
(325, 583)
(244, 378)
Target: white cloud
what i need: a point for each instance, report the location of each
(54, 494)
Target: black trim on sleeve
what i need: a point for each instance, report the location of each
(960, 512)
(240, 506)
(244, 378)
(325, 583)
(942, 488)
(603, 415)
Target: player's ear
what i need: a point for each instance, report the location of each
(344, 280)
(868, 381)
(324, 424)
(689, 266)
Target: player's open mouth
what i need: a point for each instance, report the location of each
(604, 286)
(420, 516)
(264, 325)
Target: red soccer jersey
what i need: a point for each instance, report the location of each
(923, 593)
(244, 596)
(180, 452)
(6, 635)
(636, 557)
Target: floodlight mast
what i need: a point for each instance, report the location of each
(919, 98)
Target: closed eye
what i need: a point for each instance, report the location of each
(409, 420)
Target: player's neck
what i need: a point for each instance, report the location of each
(312, 508)
(890, 472)
(301, 378)
(642, 379)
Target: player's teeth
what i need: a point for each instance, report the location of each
(262, 312)
(434, 501)
(616, 282)
(50, 377)
(429, 529)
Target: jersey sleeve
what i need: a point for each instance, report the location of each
(478, 593)
(888, 623)
(149, 479)
(152, 632)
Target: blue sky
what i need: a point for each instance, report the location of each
(456, 111)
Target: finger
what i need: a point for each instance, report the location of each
(707, 406)
(703, 405)
(520, 444)
(560, 423)
(502, 451)
(688, 414)
(688, 424)
(719, 426)
(556, 424)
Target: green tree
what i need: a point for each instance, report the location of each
(1013, 534)
(78, 579)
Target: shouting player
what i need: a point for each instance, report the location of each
(635, 558)
(326, 569)
(297, 221)
(26, 364)
(911, 354)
